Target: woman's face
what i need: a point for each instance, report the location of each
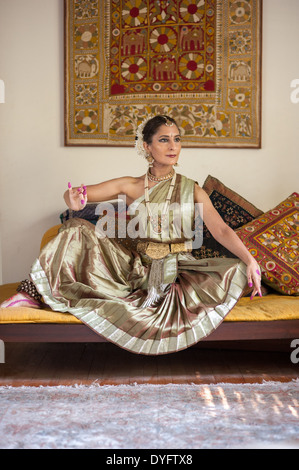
(165, 146)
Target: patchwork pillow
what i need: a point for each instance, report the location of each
(273, 240)
(235, 211)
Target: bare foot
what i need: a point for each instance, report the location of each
(21, 300)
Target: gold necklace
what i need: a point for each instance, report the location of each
(167, 177)
(157, 221)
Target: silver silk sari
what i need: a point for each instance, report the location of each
(144, 305)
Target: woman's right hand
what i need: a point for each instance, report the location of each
(77, 197)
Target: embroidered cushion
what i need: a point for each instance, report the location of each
(273, 240)
(235, 211)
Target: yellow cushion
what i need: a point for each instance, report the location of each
(34, 315)
(270, 307)
(28, 314)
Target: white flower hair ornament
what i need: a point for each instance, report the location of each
(139, 138)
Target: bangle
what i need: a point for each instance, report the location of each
(29, 288)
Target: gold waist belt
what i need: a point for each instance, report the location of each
(160, 250)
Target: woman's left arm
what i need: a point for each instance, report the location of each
(229, 239)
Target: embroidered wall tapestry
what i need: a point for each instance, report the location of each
(197, 60)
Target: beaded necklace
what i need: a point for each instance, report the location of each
(167, 177)
(158, 220)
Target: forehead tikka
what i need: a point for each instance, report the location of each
(168, 122)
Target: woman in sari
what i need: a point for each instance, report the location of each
(155, 298)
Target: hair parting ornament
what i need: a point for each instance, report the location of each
(168, 122)
(139, 139)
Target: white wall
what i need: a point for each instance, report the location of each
(35, 166)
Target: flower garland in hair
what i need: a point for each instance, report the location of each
(139, 138)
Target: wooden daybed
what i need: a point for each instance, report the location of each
(272, 317)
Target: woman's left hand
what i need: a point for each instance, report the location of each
(254, 278)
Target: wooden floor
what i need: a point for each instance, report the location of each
(35, 364)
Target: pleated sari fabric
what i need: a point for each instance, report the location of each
(106, 285)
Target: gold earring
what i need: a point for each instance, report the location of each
(150, 159)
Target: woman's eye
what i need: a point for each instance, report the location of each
(177, 139)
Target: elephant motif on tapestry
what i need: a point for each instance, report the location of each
(86, 66)
(239, 71)
(163, 69)
(133, 43)
(192, 39)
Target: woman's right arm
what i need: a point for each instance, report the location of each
(76, 198)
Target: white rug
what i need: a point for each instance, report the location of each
(151, 416)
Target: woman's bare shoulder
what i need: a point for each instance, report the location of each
(127, 183)
(132, 179)
(199, 192)
(201, 196)
(126, 179)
